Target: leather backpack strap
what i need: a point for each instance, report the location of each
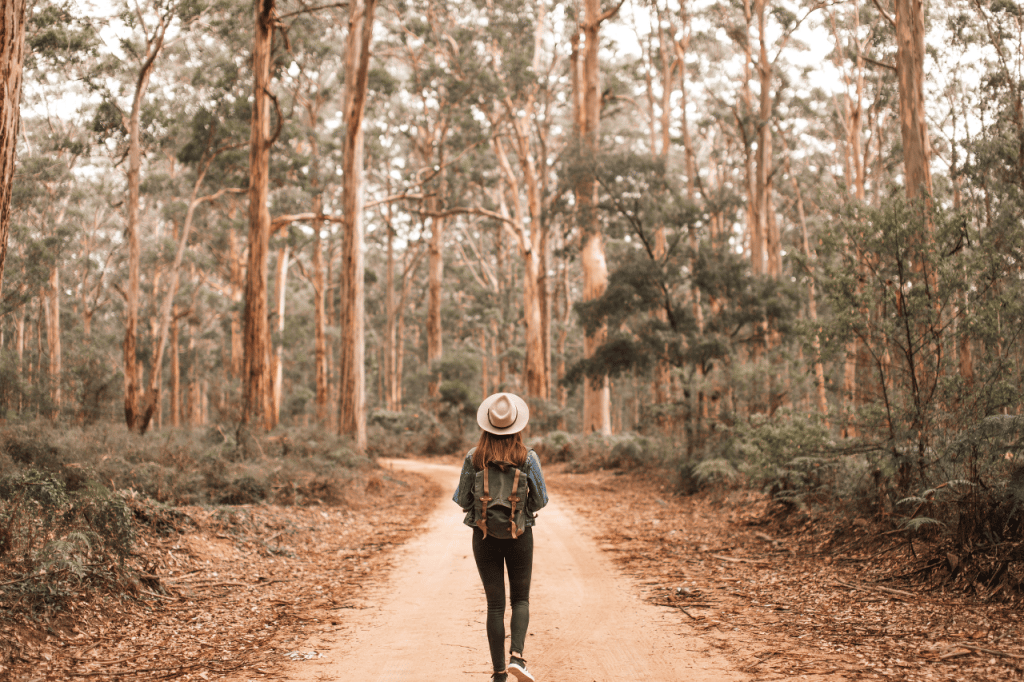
(514, 499)
(482, 521)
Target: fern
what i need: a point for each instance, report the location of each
(712, 471)
(915, 524)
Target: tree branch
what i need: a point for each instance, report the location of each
(869, 60)
(610, 13)
(465, 211)
(310, 10)
(885, 15)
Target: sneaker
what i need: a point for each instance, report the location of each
(517, 667)
(500, 677)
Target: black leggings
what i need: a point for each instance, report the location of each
(491, 555)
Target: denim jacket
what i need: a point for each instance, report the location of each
(537, 498)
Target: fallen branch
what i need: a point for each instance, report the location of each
(759, 661)
(677, 606)
(954, 654)
(877, 588)
(991, 652)
(737, 560)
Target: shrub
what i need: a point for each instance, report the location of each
(400, 434)
(622, 451)
(181, 466)
(55, 543)
(552, 447)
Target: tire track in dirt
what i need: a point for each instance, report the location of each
(426, 619)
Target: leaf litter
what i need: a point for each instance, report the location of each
(784, 600)
(237, 594)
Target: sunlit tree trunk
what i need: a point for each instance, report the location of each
(926, 366)
(131, 370)
(319, 316)
(352, 397)
(750, 160)
(535, 370)
(151, 403)
(767, 226)
(399, 366)
(597, 393)
(435, 275)
(256, 407)
(236, 289)
(12, 58)
(52, 303)
(281, 281)
(909, 20)
(175, 396)
(565, 316)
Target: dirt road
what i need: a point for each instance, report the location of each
(426, 620)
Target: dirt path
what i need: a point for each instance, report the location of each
(425, 621)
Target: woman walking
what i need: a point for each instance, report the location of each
(497, 475)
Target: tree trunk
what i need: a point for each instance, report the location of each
(535, 370)
(352, 398)
(282, 281)
(175, 397)
(53, 338)
(237, 288)
(812, 306)
(12, 58)
(131, 369)
(320, 316)
(390, 344)
(408, 277)
(152, 399)
(596, 394)
(435, 275)
(754, 231)
(910, 73)
(767, 226)
(192, 409)
(256, 406)
(565, 297)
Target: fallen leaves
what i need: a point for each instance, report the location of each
(785, 602)
(240, 591)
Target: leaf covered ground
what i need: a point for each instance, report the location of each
(236, 594)
(786, 597)
(243, 591)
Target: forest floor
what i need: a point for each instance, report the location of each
(786, 601)
(242, 590)
(708, 581)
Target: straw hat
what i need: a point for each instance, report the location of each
(502, 414)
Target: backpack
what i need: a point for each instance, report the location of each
(500, 501)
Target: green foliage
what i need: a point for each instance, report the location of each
(594, 451)
(712, 472)
(56, 542)
(295, 466)
(554, 446)
(400, 434)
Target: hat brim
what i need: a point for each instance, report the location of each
(522, 415)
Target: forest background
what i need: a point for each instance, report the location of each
(756, 240)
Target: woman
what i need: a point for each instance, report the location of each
(503, 416)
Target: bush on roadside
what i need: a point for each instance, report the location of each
(56, 542)
(180, 466)
(620, 451)
(418, 432)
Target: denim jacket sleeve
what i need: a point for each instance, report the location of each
(538, 491)
(464, 493)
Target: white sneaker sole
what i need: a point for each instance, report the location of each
(520, 674)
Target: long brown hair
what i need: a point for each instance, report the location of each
(500, 450)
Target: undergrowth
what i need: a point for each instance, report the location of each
(72, 499)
